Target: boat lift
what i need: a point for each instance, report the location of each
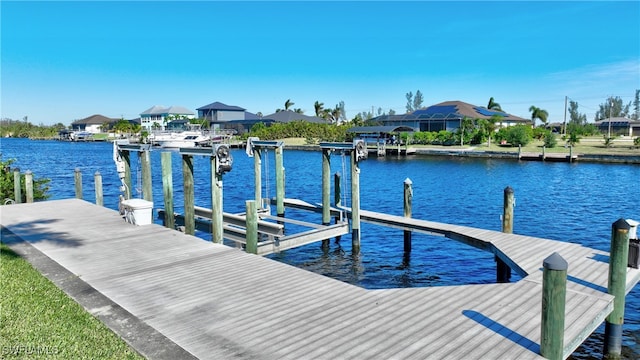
(257, 231)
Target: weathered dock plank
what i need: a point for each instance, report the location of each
(219, 302)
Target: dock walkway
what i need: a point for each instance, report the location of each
(217, 302)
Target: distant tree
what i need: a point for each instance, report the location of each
(392, 112)
(418, 99)
(550, 140)
(573, 138)
(612, 107)
(298, 111)
(288, 104)
(492, 105)
(366, 115)
(318, 106)
(357, 120)
(537, 113)
(122, 126)
(574, 116)
(104, 127)
(488, 127)
(467, 126)
(343, 112)
(409, 97)
(336, 114)
(636, 106)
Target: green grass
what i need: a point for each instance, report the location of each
(39, 321)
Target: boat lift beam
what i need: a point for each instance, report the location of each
(254, 149)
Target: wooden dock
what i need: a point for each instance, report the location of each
(546, 156)
(218, 302)
(381, 150)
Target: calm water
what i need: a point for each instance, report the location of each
(570, 202)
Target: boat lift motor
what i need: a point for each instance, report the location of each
(120, 167)
(225, 160)
(360, 150)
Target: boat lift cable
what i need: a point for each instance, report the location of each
(345, 189)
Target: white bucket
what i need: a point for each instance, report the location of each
(138, 211)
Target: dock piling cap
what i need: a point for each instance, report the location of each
(555, 262)
(621, 224)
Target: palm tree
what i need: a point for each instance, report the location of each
(319, 107)
(537, 113)
(493, 105)
(335, 114)
(288, 104)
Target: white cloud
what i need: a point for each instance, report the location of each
(601, 80)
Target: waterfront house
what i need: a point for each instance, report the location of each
(619, 126)
(448, 116)
(223, 116)
(287, 116)
(94, 124)
(158, 116)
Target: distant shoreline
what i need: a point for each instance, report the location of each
(631, 159)
(513, 155)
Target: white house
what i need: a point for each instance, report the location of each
(158, 116)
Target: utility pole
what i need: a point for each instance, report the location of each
(610, 107)
(564, 126)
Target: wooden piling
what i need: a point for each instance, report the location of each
(145, 164)
(507, 214)
(216, 202)
(570, 153)
(78, 183)
(326, 189)
(251, 227)
(279, 182)
(126, 158)
(355, 204)
(519, 151)
(337, 199)
(167, 189)
(189, 195)
(257, 171)
(337, 190)
(554, 290)
(28, 185)
(326, 186)
(503, 271)
(97, 180)
(17, 186)
(618, 260)
(408, 199)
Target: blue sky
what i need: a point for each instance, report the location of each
(63, 61)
